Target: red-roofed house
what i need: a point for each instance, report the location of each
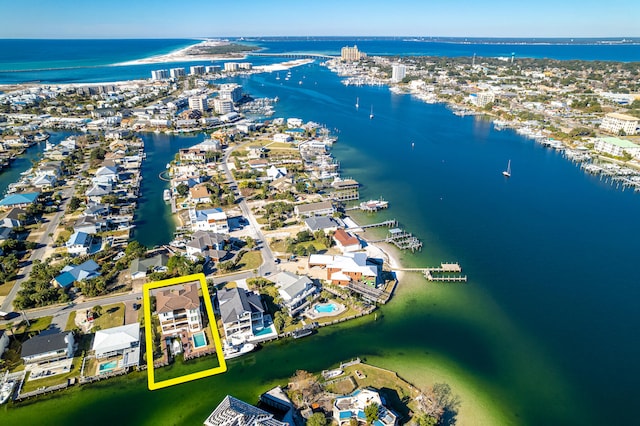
(346, 241)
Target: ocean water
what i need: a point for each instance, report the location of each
(544, 332)
(92, 61)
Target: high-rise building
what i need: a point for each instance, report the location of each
(196, 70)
(352, 54)
(222, 106)
(213, 69)
(177, 72)
(198, 103)
(231, 66)
(159, 74)
(398, 72)
(230, 91)
(245, 65)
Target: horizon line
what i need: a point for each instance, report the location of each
(332, 36)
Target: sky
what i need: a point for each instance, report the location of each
(231, 18)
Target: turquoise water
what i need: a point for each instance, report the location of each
(325, 307)
(107, 366)
(199, 340)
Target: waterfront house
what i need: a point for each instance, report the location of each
(208, 145)
(97, 191)
(140, 267)
(324, 223)
(347, 268)
(346, 242)
(121, 341)
(294, 291)
(106, 175)
(197, 155)
(178, 309)
(242, 313)
(96, 210)
(87, 224)
(45, 348)
(44, 181)
(234, 412)
(200, 194)
(79, 243)
(282, 137)
(14, 218)
(348, 407)
(74, 273)
(214, 220)
(210, 245)
(323, 208)
(23, 199)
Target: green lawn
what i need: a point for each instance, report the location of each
(71, 322)
(37, 324)
(5, 288)
(180, 368)
(112, 316)
(349, 312)
(249, 261)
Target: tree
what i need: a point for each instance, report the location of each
(426, 420)
(317, 419)
(98, 310)
(371, 412)
(251, 243)
(135, 249)
(74, 203)
(182, 189)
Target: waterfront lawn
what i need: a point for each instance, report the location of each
(111, 316)
(349, 312)
(179, 367)
(249, 261)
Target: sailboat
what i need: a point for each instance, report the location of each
(371, 115)
(507, 173)
(277, 76)
(357, 102)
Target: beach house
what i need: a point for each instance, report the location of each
(242, 313)
(121, 341)
(74, 273)
(346, 242)
(323, 208)
(214, 220)
(234, 412)
(347, 268)
(209, 245)
(48, 348)
(348, 407)
(294, 291)
(178, 309)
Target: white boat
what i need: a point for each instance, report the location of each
(507, 173)
(277, 76)
(357, 102)
(231, 351)
(371, 115)
(6, 391)
(166, 195)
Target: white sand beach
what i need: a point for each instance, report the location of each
(186, 54)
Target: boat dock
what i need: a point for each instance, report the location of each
(401, 239)
(444, 268)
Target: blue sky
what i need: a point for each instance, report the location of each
(211, 18)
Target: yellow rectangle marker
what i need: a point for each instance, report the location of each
(153, 385)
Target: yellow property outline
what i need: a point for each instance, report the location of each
(146, 290)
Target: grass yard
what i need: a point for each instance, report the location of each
(111, 316)
(71, 322)
(5, 288)
(249, 261)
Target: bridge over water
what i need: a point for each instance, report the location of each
(295, 55)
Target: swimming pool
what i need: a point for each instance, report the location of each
(107, 366)
(325, 307)
(199, 340)
(264, 331)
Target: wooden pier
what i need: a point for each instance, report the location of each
(401, 239)
(444, 268)
(387, 223)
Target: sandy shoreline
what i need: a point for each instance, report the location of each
(183, 55)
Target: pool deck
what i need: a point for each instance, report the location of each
(313, 314)
(48, 370)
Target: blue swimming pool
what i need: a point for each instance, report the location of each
(325, 307)
(264, 331)
(107, 366)
(199, 340)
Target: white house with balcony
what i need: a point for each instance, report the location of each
(178, 309)
(242, 314)
(48, 348)
(214, 220)
(119, 341)
(294, 291)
